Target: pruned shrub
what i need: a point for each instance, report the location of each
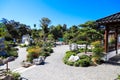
(70, 63)
(84, 63)
(15, 75)
(77, 63)
(97, 52)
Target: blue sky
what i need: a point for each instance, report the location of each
(70, 12)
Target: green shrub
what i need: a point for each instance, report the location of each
(12, 53)
(50, 50)
(89, 50)
(23, 45)
(15, 75)
(98, 49)
(84, 63)
(85, 57)
(77, 64)
(67, 56)
(49, 44)
(118, 78)
(43, 53)
(70, 63)
(81, 50)
(40, 43)
(31, 56)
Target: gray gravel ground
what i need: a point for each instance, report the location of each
(17, 62)
(55, 69)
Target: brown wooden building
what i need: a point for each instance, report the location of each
(111, 24)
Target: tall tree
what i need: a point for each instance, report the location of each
(44, 25)
(64, 27)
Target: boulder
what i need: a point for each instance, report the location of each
(73, 46)
(73, 58)
(39, 60)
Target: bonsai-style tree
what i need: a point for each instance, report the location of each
(87, 35)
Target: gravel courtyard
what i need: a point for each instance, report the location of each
(55, 69)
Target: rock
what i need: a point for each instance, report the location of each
(73, 58)
(73, 46)
(76, 58)
(39, 60)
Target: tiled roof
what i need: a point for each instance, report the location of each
(109, 19)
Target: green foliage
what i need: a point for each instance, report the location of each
(77, 63)
(31, 56)
(51, 37)
(45, 54)
(23, 45)
(36, 51)
(46, 51)
(39, 43)
(84, 63)
(67, 56)
(69, 53)
(85, 57)
(84, 60)
(2, 30)
(8, 37)
(50, 50)
(118, 78)
(81, 50)
(98, 49)
(11, 51)
(15, 75)
(70, 63)
(88, 24)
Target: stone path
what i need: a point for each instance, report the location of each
(55, 69)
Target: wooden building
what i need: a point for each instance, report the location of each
(111, 24)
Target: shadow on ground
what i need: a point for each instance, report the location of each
(22, 78)
(114, 60)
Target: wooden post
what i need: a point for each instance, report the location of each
(116, 40)
(106, 40)
(7, 67)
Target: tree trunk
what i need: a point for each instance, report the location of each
(86, 45)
